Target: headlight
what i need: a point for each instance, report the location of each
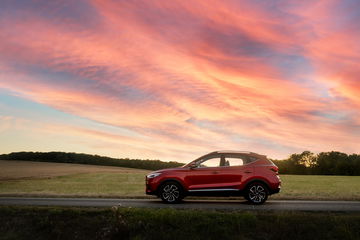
(153, 175)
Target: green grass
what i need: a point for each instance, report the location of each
(130, 184)
(319, 187)
(134, 223)
(86, 184)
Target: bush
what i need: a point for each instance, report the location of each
(134, 223)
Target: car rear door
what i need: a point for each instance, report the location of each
(233, 177)
(234, 172)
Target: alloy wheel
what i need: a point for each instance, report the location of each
(170, 193)
(257, 194)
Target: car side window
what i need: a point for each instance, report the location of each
(211, 162)
(233, 161)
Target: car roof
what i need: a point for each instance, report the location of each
(236, 152)
(229, 152)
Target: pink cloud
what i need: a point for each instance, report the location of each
(192, 77)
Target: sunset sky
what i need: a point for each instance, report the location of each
(172, 80)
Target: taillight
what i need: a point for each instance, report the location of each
(275, 169)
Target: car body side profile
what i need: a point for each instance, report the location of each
(220, 173)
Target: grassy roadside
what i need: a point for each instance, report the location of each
(133, 223)
(131, 184)
(319, 187)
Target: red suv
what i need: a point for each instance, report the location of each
(224, 173)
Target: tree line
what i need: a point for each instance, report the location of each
(324, 163)
(81, 158)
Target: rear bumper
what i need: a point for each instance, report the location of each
(276, 190)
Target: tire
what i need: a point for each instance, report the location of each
(256, 193)
(171, 192)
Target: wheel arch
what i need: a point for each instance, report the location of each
(171, 180)
(258, 180)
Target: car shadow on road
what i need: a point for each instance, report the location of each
(210, 202)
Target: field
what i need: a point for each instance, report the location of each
(19, 178)
(15, 170)
(319, 187)
(41, 178)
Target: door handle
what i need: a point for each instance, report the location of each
(215, 172)
(248, 171)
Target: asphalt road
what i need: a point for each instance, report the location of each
(270, 205)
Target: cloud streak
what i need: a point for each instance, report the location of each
(272, 77)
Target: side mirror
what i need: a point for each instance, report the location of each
(193, 165)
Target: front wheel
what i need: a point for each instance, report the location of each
(256, 193)
(171, 192)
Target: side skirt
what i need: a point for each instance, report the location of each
(215, 192)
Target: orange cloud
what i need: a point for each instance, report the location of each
(193, 77)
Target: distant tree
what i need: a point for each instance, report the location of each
(324, 163)
(82, 158)
(330, 163)
(296, 164)
(307, 159)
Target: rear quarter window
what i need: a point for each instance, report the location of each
(251, 159)
(232, 161)
(238, 160)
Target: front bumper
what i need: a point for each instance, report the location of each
(150, 186)
(149, 191)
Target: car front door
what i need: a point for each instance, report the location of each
(205, 175)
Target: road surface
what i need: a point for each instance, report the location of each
(270, 205)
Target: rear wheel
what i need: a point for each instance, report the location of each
(256, 193)
(171, 192)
